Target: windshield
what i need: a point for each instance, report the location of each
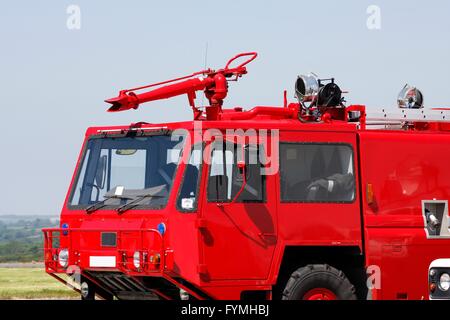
(122, 170)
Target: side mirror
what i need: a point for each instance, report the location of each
(101, 172)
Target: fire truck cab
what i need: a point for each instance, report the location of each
(291, 202)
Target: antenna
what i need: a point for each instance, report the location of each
(204, 67)
(206, 54)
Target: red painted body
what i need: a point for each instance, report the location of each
(220, 252)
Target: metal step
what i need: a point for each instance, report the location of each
(127, 295)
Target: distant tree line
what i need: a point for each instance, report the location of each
(22, 240)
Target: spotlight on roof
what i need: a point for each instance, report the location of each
(306, 87)
(410, 97)
(320, 92)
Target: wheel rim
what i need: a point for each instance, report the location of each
(319, 294)
(84, 288)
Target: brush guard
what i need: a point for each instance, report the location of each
(149, 243)
(72, 239)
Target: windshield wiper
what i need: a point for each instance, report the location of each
(102, 203)
(134, 203)
(151, 193)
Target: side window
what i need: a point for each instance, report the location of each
(316, 172)
(188, 195)
(220, 174)
(225, 180)
(79, 187)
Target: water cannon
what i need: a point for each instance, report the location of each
(214, 84)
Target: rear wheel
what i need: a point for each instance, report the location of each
(319, 282)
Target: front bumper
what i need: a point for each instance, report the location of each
(118, 271)
(86, 251)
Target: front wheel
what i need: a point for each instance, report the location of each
(318, 282)
(87, 291)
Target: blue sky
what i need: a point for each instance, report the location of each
(53, 80)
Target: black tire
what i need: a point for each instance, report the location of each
(87, 290)
(316, 277)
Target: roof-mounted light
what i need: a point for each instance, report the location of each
(320, 92)
(410, 97)
(306, 87)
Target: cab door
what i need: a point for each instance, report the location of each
(240, 230)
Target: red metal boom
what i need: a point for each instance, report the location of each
(212, 82)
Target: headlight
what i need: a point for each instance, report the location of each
(137, 259)
(84, 289)
(63, 258)
(184, 295)
(444, 282)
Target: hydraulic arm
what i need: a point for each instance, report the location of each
(214, 84)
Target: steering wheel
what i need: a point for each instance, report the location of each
(314, 187)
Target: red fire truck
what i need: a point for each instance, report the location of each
(307, 200)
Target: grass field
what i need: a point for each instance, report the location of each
(32, 283)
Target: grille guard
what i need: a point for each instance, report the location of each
(123, 251)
